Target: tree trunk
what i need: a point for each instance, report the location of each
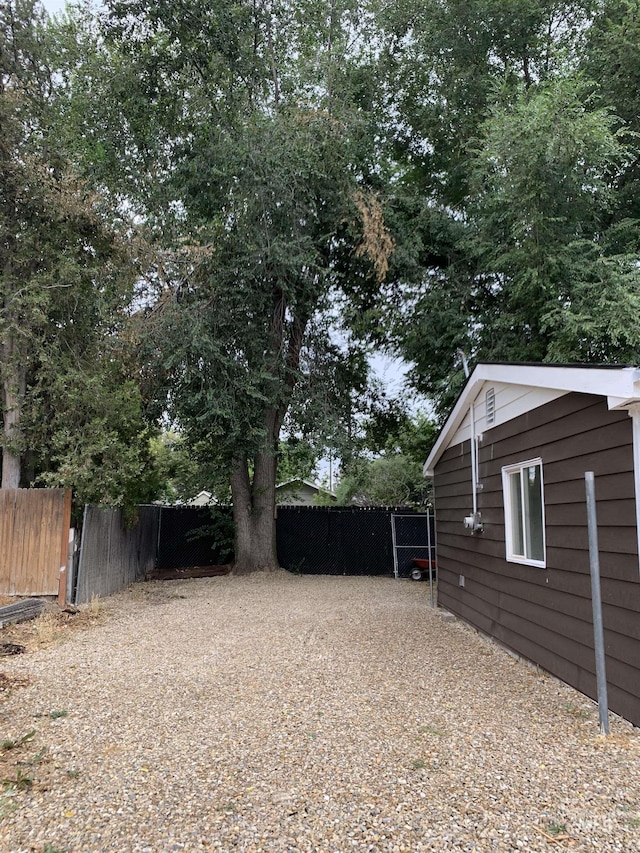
(254, 501)
(254, 504)
(13, 390)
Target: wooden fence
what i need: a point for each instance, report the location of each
(112, 553)
(34, 539)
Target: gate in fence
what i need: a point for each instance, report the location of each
(310, 540)
(414, 546)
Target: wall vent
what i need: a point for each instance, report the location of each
(490, 403)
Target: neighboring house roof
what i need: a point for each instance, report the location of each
(203, 498)
(290, 487)
(298, 480)
(520, 387)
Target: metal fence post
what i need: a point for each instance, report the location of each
(393, 540)
(431, 601)
(596, 603)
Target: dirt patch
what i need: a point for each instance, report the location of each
(189, 572)
(53, 626)
(10, 682)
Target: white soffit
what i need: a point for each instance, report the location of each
(538, 383)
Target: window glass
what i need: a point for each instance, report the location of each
(515, 491)
(524, 512)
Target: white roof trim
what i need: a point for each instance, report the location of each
(621, 387)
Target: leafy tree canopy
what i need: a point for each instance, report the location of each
(248, 158)
(70, 415)
(515, 131)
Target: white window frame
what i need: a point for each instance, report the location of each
(519, 467)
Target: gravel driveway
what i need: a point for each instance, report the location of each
(287, 713)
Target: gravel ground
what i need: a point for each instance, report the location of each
(285, 713)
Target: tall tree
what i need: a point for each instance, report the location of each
(528, 250)
(70, 412)
(401, 443)
(254, 172)
(609, 60)
(551, 268)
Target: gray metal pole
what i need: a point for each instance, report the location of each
(395, 550)
(81, 566)
(430, 559)
(596, 603)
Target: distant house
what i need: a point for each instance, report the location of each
(511, 521)
(203, 498)
(299, 492)
(296, 492)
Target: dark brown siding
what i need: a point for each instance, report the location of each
(545, 614)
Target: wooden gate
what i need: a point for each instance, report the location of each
(34, 539)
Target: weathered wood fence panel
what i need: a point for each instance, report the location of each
(34, 536)
(112, 554)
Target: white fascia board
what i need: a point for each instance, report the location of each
(620, 386)
(454, 420)
(606, 382)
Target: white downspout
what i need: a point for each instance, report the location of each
(474, 459)
(474, 522)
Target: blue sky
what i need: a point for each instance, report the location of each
(53, 6)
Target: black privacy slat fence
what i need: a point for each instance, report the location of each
(194, 536)
(335, 540)
(310, 540)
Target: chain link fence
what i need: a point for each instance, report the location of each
(342, 540)
(310, 540)
(414, 538)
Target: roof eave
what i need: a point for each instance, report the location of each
(621, 387)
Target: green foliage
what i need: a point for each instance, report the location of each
(220, 532)
(96, 438)
(386, 481)
(297, 459)
(234, 336)
(22, 780)
(544, 190)
(523, 146)
(7, 745)
(179, 475)
(71, 414)
(610, 61)
(446, 59)
(247, 155)
(394, 478)
(419, 175)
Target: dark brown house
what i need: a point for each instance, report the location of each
(511, 519)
